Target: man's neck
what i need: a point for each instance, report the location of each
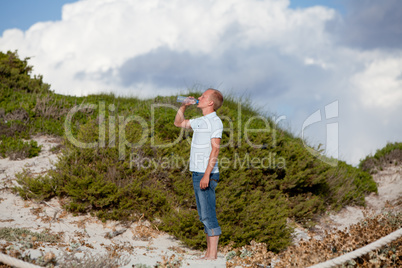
(207, 111)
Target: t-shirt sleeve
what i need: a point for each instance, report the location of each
(217, 129)
(192, 123)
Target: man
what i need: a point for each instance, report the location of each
(204, 162)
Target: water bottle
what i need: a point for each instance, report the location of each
(186, 100)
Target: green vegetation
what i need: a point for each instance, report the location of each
(391, 154)
(16, 148)
(124, 158)
(20, 234)
(83, 259)
(19, 240)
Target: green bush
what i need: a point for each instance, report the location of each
(391, 154)
(38, 188)
(15, 75)
(16, 148)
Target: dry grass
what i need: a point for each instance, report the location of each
(49, 108)
(144, 231)
(333, 244)
(170, 262)
(177, 249)
(20, 234)
(18, 114)
(108, 260)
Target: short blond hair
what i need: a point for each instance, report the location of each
(217, 98)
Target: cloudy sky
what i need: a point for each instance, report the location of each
(331, 70)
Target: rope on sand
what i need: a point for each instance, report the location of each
(16, 262)
(361, 251)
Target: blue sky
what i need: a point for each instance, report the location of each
(335, 4)
(290, 60)
(24, 13)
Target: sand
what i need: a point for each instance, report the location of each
(388, 199)
(389, 184)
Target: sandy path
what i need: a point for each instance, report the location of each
(389, 197)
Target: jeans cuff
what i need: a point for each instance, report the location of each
(214, 231)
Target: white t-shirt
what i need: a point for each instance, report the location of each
(205, 128)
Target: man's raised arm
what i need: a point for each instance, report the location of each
(179, 120)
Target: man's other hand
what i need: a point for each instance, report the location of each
(204, 182)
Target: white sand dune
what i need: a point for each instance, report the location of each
(389, 183)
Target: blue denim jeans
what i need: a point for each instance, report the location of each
(206, 204)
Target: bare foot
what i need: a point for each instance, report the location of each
(207, 257)
(211, 258)
(203, 258)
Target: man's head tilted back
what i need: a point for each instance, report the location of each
(216, 97)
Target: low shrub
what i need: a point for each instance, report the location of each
(85, 259)
(391, 154)
(41, 187)
(16, 148)
(21, 234)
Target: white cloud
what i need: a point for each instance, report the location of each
(285, 59)
(95, 36)
(318, 62)
(380, 83)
